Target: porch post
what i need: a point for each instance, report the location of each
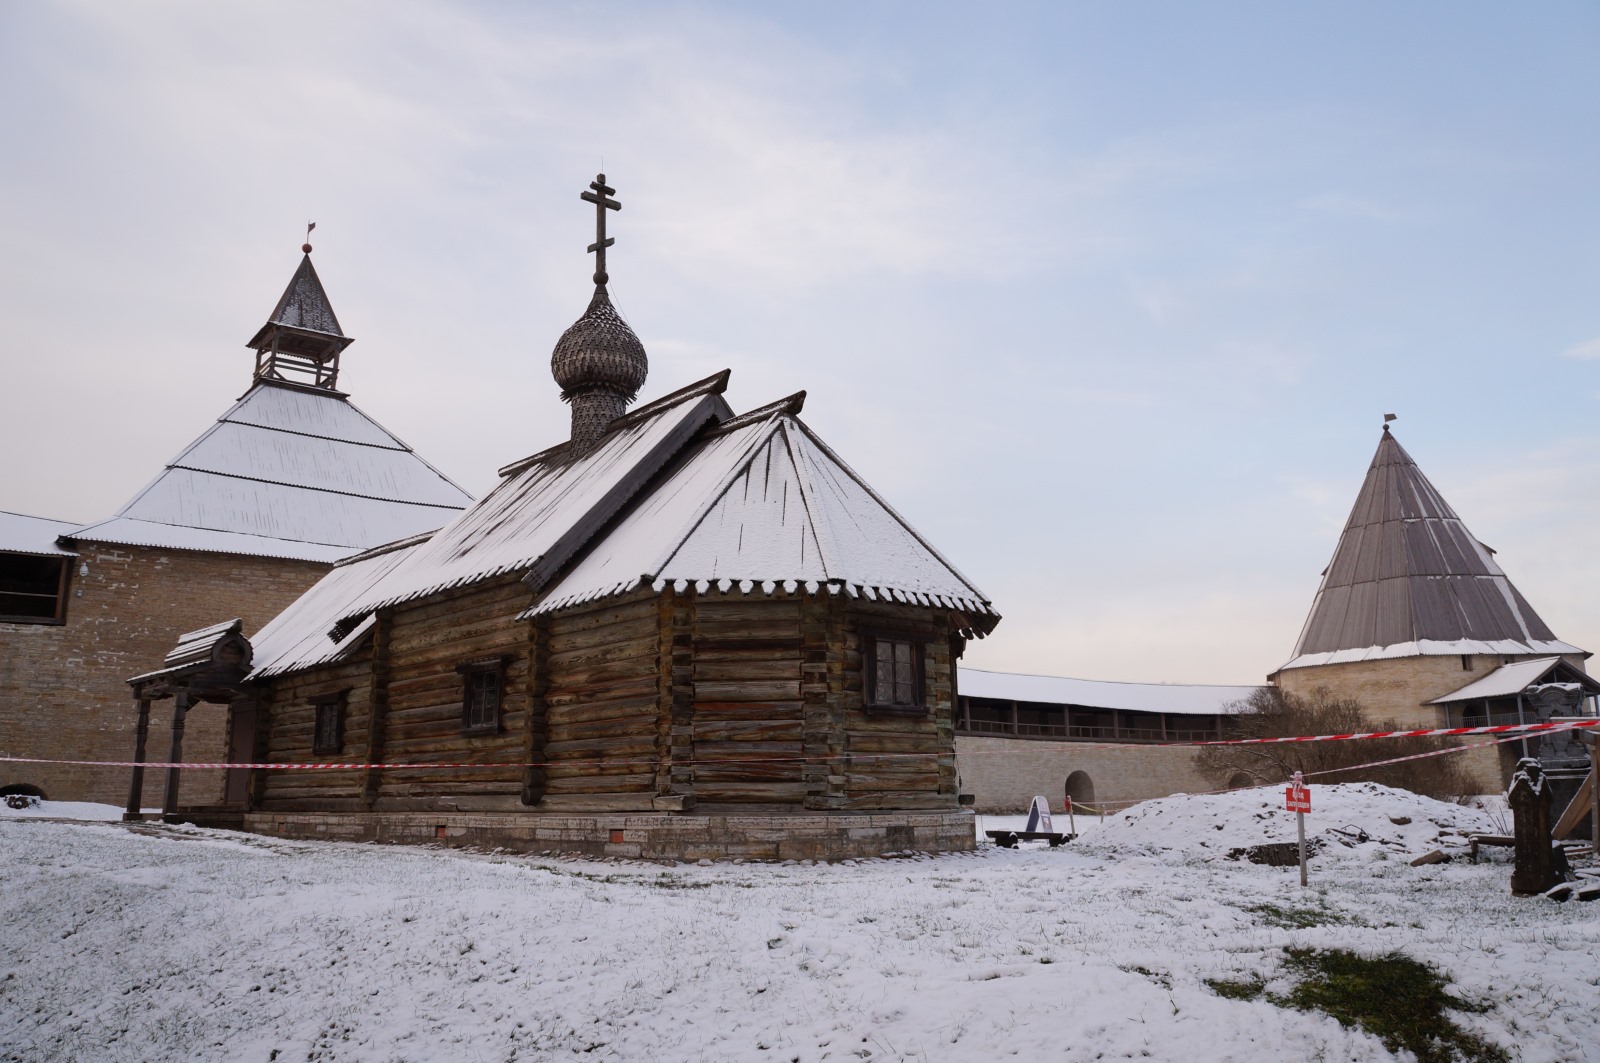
(180, 709)
(141, 732)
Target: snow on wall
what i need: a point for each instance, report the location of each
(1175, 698)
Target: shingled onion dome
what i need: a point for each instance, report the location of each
(600, 365)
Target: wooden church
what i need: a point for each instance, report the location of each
(291, 477)
(681, 633)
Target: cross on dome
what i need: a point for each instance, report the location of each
(600, 197)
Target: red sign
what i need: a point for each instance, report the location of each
(1297, 799)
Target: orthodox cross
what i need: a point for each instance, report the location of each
(602, 203)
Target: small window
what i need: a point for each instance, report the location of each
(482, 687)
(894, 673)
(33, 589)
(1466, 662)
(329, 734)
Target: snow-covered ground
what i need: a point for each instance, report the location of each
(156, 943)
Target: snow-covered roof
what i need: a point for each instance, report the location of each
(1409, 579)
(1511, 679)
(22, 534)
(1437, 648)
(547, 507)
(287, 472)
(298, 637)
(1176, 698)
(678, 490)
(759, 503)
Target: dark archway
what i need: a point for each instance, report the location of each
(1240, 780)
(23, 789)
(1080, 788)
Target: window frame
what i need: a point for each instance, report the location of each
(59, 616)
(920, 704)
(468, 670)
(322, 706)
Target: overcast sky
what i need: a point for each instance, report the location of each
(1108, 299)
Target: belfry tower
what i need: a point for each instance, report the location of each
(599, 362)
(301, 341)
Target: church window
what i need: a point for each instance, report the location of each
(482, 686)
(33, 589)
(328, 734)
(894, 673)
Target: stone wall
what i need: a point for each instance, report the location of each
(1004, 774)
(818, 836)
(1400, 688)
(63, 689)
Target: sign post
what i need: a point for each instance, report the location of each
(1297, 799)
(1072, 822)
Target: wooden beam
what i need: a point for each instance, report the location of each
(1578, 810)
(377, 706)
(141, 732)
(180, 709)
(536, 720)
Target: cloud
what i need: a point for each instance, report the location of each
(1586, 350)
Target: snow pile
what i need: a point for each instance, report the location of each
(64, 810)
(1210, 826)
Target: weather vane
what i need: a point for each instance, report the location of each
(600, 197)
(1389, 417)
(306, 247)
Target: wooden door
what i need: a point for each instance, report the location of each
(241, 750)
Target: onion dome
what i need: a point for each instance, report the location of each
(599, 352)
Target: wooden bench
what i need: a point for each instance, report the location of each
(1502, 840)
(1008, 839)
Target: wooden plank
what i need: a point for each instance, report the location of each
(745, 610)
(737, 670)
(1579, 809)
(749, 710)
(747, 629)
(605, 653)
(758, 730)
(748, 690)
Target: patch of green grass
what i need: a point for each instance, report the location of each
(1241, 990)
(1397, 999)
(1295, 918)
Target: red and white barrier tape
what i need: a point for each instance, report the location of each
(1515, 731)
(1430, 732)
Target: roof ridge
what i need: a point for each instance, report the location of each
(715, 384)
(861, 482)
(387, 548)
(736, 467)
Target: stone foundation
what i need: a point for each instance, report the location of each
(641, 836)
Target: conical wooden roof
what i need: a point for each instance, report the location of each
(1409, 579)
(305, 303)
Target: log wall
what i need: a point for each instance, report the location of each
(924, 776)
(653, 701)
(602, 700)
(289, 725)
(748, 710)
